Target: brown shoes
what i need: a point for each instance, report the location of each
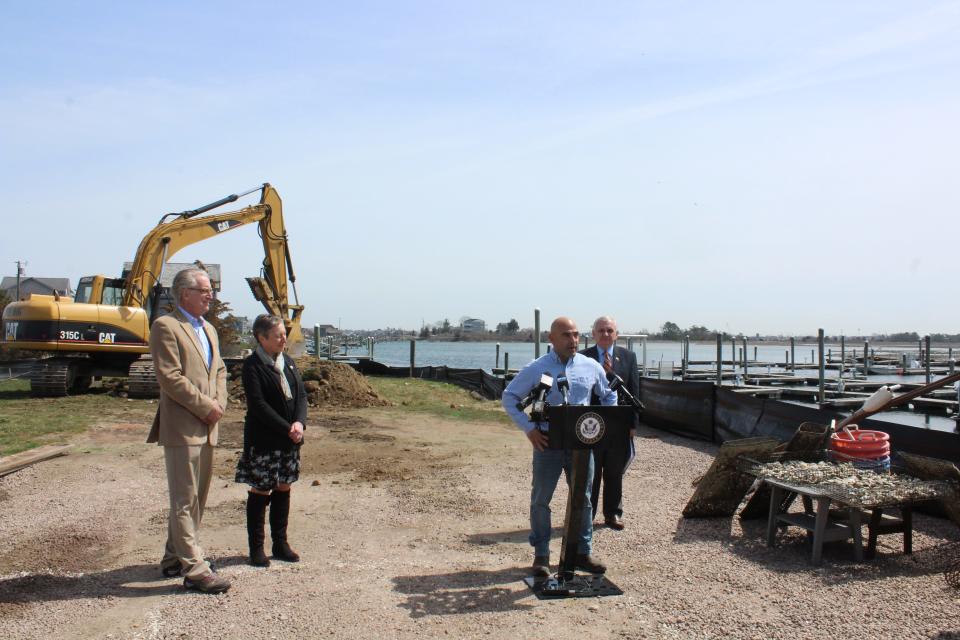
(590, 564)
(541, 567)
(209, 583)
(614, 522)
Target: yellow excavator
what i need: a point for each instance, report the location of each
(104, 330)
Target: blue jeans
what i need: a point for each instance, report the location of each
(547, 466)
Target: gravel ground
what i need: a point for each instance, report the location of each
(416, 528)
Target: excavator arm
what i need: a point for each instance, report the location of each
(272, 289)
(189, 227)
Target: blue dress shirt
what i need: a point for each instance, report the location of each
(600, 353)
(197, 324)
(584, 375)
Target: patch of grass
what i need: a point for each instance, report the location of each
(27, 422)
(439, 399)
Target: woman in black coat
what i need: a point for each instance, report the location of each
(272, 435)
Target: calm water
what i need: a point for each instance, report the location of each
(483, 355)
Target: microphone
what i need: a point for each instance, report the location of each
(617, 384)
(563, 387)
(538, 393)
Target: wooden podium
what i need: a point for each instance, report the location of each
(580, 429)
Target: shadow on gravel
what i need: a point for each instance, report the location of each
(463, 592)
(793, 550)
(125, 582)
(219, 562)
(698, 529)
(521, 536)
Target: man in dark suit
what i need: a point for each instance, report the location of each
(610, 463)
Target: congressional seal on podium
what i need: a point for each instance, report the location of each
(590, 428)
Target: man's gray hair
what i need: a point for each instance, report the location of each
(604, 319)
(265, 323)
(186, 279)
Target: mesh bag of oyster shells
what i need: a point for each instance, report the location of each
(799, 472)
(722, 488)
(951, 557)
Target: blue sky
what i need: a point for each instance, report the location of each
(759, 167)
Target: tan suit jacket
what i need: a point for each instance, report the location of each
(188, 388)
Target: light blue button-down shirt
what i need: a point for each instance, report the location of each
(197, 324)
(584, 375)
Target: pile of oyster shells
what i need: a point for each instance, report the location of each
(855, 486)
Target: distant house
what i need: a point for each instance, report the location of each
(170, 271)
(28, 285)
(242, 324)
(327, 330)
(474, 325)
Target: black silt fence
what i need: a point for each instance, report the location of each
(701, 410)
(487, 385)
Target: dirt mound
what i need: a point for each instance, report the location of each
(328, 384)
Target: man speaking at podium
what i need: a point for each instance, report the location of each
(585, 376)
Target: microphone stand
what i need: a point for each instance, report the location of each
(616, 384)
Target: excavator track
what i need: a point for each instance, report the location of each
(142, 380)
(53, 377)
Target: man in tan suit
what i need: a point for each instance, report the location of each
(193, 393)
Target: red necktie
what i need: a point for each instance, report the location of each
(607, 364)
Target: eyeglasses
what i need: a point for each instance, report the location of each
(203, 292)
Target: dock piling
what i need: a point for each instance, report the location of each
(926, 359)
(536, 333)
(843, 356)
(643, 348)
(744, 359)
(793, 355)
(684, 356)
(413, 353)
(822, 366)
(496, 364)
(719, 359)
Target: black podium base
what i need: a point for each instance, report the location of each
(579, 586)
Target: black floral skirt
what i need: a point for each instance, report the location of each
(264, 470)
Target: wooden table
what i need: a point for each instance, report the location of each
(818, 522)
(844, 523)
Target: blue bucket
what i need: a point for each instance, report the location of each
(880, 465)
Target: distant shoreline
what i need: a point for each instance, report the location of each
(850, 343)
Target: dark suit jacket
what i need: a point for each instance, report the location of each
(625, 366)
(269, 413)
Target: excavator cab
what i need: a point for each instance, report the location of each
(89, 290)
(100, 290)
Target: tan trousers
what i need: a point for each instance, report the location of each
(189, 470)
